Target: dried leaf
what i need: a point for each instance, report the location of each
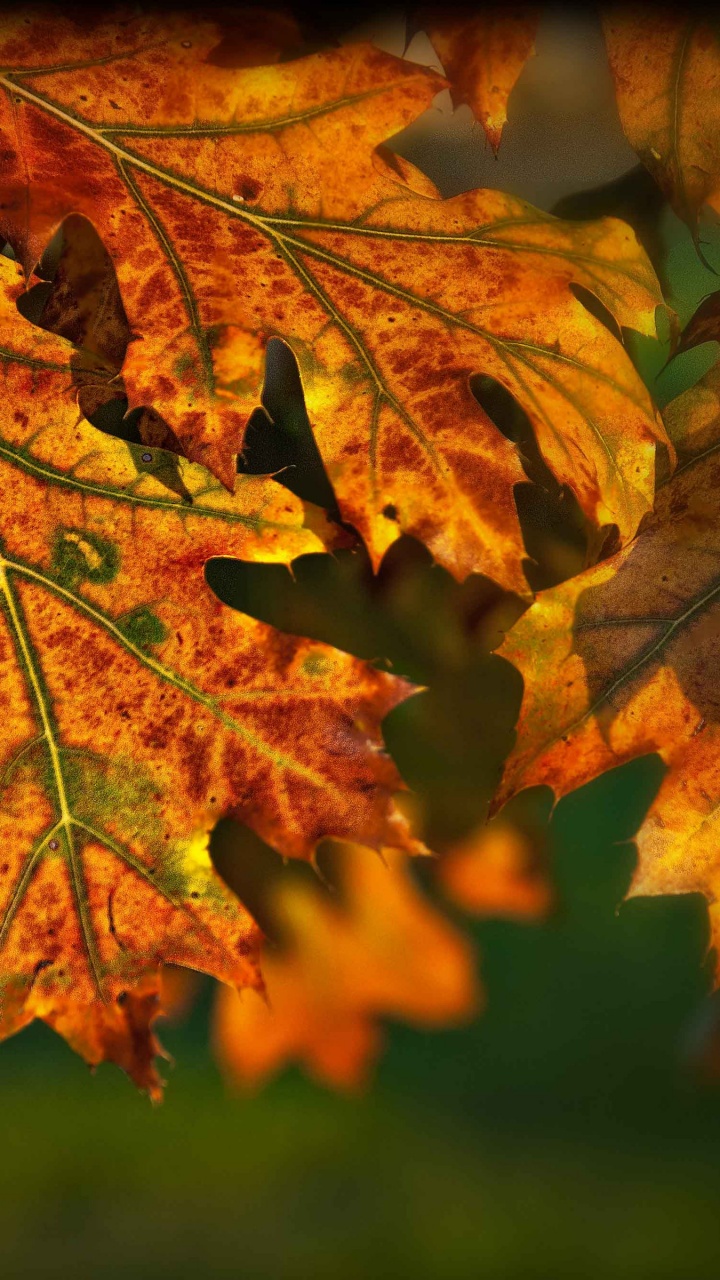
(383, 952)
(240, 205)
(666, 67)
(622, 661)
(482, 54)
(137, 709)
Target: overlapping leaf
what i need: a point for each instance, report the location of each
(666, 66)
(623, 660)
(241, 205)
(382, 951)
(137, 709)
(482, 54)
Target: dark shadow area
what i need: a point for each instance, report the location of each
(635, 198)
(554, 528)
(279, 440)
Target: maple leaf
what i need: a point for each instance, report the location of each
(243, 205)
(622, 661)
(482, 55)
(137, 710)
(382, 951)
(666, 67)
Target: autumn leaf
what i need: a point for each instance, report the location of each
(666, 67)
(622, 661)
(239, 205)
(482, 54)
(119, 1031)
(137, 710)
(496, 870)
(381, 951)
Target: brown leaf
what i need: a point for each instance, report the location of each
(238, 205)
(482, 54)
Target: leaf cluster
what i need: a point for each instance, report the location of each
(213, 191)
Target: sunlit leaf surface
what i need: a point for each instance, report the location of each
(239, 205)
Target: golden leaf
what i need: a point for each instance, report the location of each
(238, 205)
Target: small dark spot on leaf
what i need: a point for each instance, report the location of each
(248, 188)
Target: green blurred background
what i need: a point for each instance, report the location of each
(571, 1130)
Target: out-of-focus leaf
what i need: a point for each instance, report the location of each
(482, 54)
(496, 870)
(383, 951)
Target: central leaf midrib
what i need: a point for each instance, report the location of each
(35, 685)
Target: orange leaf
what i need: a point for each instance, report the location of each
(238, 205)
(118, 1031)
(383, 951)
(495, 871)
(666, 66)
(482, 55)
(622, 661)
(137, 709)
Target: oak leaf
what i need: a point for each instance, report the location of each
(137, 710)
(482, 54)
(666, 67)
(240, 205)
(382, 951)
(622, 661)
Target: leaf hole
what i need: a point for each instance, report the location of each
(554, 528)
(279, 439)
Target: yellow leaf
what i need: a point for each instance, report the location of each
(666, 66)
(622, 661)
